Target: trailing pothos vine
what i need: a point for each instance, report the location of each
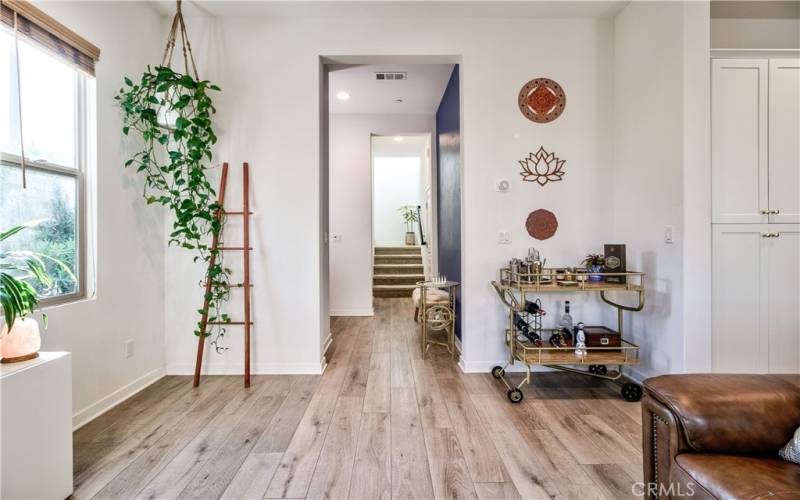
(171, 113)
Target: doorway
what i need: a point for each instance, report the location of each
(379, 135)
(401, 175)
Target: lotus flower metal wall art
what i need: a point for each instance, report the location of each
(542, 167)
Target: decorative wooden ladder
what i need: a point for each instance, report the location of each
(246, 285)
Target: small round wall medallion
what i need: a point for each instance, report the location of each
(541, 224)
(542, 100)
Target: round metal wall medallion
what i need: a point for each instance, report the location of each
(541, 224)
(542, 100)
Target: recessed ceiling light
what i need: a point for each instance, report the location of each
(343, 96)
(399, 138)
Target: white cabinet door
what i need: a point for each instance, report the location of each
(739, 140)
(784, 140)
(783, 254)
(739, 299)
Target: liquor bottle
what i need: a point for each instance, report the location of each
(580, 341)
(566, 318)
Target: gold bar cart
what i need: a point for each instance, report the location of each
(513, 288)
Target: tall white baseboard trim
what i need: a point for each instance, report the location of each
(486, 367)
(94, 410)
(255, 369)
(353, 312)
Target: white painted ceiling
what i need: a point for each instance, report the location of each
(421, 92)
(373, 9)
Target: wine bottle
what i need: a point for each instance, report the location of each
(566, 318)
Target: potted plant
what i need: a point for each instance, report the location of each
(594, 262)
(409, 214)
(20, 270)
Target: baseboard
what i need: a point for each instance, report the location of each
(94, 410)
(352, 312)
(486, 367)
(255, 369)
(327, 344)
(634, 374)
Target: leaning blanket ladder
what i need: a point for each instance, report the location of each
(245, 285)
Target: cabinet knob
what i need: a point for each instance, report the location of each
(774, 212)
(765, 212)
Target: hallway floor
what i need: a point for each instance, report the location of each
(379, 423)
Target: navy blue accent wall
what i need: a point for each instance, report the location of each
(448, 192)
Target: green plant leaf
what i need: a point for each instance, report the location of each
(171, 160)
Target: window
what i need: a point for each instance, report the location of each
(54, 97)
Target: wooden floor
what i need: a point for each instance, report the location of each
(379, 423)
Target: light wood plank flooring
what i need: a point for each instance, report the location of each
(379, 423)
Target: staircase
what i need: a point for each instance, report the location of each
(396, 271)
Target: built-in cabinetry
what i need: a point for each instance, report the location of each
(755, 141)
(756, 298)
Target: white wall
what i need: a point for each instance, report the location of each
(397, 180)
(129, 302)
(397, 183)
(272, 120)
(660, 163)
(351, 203)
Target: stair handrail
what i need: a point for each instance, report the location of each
(419, 223)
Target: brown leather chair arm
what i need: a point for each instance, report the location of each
(662, 440)
(738, 414)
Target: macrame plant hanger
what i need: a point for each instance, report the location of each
(179, 28)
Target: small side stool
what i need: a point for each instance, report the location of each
(433, 296)
(438, 316)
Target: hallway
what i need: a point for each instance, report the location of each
(379, 423)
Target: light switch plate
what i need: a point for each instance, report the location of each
(669, 234)
(129, 345)
(504, 237)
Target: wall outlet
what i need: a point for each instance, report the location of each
(669, 234)
(504, 237)
(129, 344)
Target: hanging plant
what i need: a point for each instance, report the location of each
(171, 113)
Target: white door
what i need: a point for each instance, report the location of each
(784, 140)
(739, 342)
(783, 253)
(739, 140)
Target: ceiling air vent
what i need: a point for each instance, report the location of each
(391, 75)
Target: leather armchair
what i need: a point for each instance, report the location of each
(718, 436)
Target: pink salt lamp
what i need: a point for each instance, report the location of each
(22, 342)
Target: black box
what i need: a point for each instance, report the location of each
(615, 262)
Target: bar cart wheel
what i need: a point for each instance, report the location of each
(631, 392)
(598, 369)
(515, 395)
(498, 372)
